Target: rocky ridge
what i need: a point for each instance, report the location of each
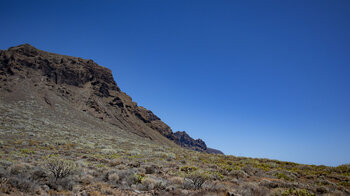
(85, 86)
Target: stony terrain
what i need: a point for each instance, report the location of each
(66, 128)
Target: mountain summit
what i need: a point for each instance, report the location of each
(79, 92)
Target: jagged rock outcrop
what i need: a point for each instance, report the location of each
(85, 86)
(184, 140)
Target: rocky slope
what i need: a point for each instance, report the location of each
(84, 89)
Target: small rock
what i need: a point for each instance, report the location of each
(138, 192)
(184, 192)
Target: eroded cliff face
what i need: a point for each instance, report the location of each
(85, 86)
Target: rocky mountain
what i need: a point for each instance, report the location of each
(76, 89)
(66, 128)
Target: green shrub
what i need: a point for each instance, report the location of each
(139, 177)
(27, 151)
(225, 169)
(283, 176)
(216, 176)
(188, 169)
(297, 192)
(344, 183)
(344, 168)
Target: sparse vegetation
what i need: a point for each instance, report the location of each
(115, 167)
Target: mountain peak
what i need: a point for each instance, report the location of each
(25, 45)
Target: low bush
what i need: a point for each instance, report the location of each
(297, 192)
(344, 168)
(216, 186)
(138, 178)
(151, 169)
(21, 183)
(149, 183)
(188, 169)
(114, 178)
(129, 177)
(238, 174)
(61, 184)
(252, 189)
(176, 180)
(38, 174)
(344, 183)
(18, 168)
(86, 179)
(61, 168)
(108, 151)
(197, 178)
(283, 176)
(216, 176)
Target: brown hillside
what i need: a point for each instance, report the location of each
(62, 86)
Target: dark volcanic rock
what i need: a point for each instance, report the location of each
(58, 68)
(153, 121)
(213, 151)
(183, 139)
(86, 86)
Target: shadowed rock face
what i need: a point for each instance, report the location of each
(85, 86)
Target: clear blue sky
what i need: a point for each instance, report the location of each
(252, 78)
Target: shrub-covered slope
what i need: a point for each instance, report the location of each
(116, 163)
